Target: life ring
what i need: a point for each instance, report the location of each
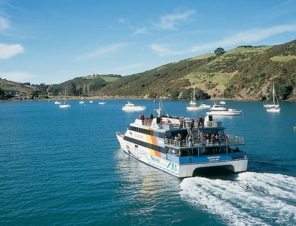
(209, 124)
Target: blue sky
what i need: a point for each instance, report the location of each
(52, 41)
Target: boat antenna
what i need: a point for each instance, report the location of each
(159, 110)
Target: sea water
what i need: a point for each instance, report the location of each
(65, 167)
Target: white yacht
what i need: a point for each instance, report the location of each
(132, 107)
(218, 109)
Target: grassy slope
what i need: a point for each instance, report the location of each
(242, 73)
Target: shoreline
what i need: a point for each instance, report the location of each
(137, 98)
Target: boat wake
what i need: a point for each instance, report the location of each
(250, 199)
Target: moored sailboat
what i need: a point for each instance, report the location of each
(65, 104)
(103, 101)
(275, 106)
(192, 104)
(193, 98)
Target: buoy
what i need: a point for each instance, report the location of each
(294, 127)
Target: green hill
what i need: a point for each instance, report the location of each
(245, 72)
(86, 86)
(11, 89)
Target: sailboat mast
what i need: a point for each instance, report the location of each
(273, 93)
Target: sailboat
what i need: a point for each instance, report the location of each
(81, 101)
(192, 104)
(57, 102)
(275, 106)
(103, 102)
(65, 104)
(193, 99)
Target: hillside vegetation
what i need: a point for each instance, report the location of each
(242, 73)
(83, 86)
(246, 72)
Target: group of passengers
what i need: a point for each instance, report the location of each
(184, 122)
(146, 119)
(211, 138)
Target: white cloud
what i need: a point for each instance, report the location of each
(255, 35)
(138, 31)
(17, 76)
(127, 67)
(4, 24)
(7, 51)
(102, 51)
(169, 21)
(163, 50)
(245, 37)
(122, 20)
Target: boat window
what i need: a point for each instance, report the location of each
(146, 131)
(144, 144)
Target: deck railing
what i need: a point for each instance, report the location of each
(230, 140)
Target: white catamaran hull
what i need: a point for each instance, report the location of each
(163, 163)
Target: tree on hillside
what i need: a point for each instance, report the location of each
(199, 94)
(2, 94)
(35, 94)
(175, 94)
(219, 51)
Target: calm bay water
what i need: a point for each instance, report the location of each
(64, 167)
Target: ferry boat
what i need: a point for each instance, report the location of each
(180, 146)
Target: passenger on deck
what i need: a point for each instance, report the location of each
(192, 124)
(176, 141)
(179, 136)
(151, 116)
(212, 138)
(201, 123)
(198, 121)
(181, 123)
(190, 141)
(202, 138)
(226, 137)
(166, 140)
(217, 138)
